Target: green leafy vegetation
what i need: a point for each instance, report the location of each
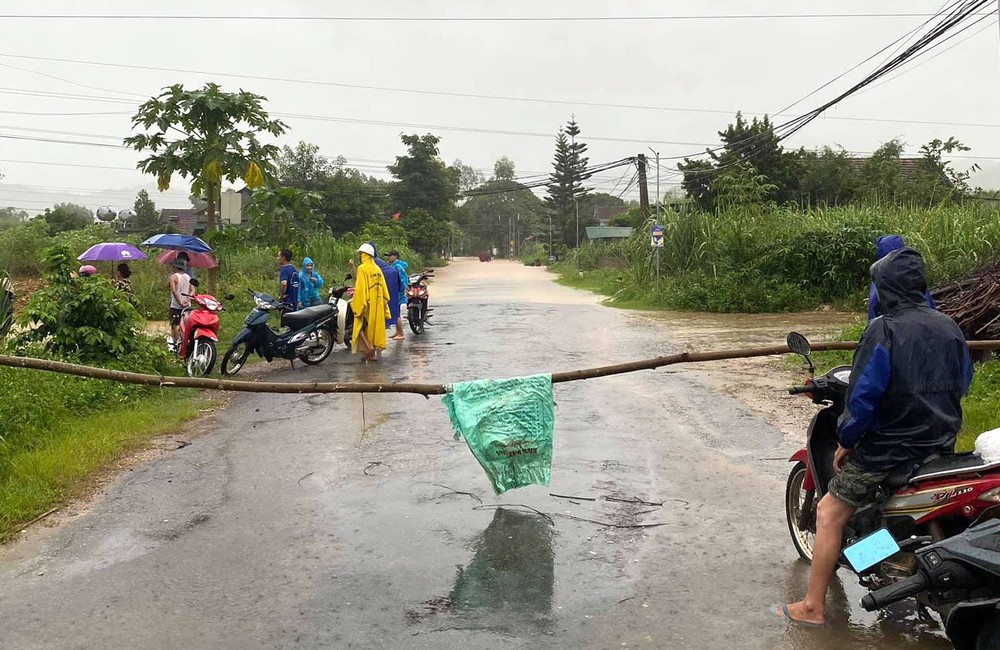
(782, 259)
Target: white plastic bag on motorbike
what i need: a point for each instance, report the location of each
(988, 446)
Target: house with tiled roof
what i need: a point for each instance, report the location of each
(604, 214)
(186, 221)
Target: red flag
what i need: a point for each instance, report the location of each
(395, 216)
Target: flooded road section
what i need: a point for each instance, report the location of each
(349, 522)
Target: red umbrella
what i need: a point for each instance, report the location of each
(195, 260)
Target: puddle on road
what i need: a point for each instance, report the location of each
(507, 587)
(848, 626)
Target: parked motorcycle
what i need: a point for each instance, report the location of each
(918, 505)
(309, 334)
(340, 299)
(199, 333)
(961, 573)
(417, 311)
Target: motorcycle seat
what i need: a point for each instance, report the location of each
(302, 317)
(949, 465)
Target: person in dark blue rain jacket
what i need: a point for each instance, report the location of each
(909, 374)
(389, 272)
(883, 246)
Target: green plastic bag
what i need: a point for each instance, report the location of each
(507, 424)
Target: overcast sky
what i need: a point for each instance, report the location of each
(565, 67)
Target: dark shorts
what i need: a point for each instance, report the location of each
(855, 486)
(175, 316)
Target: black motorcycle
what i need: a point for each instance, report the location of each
(417, 311)
(309, 335)
(962, 574)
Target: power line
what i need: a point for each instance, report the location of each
(507, 98)
(464, 19)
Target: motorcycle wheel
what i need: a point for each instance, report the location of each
(201, 365)
(234, 358)
(795, 499)
(325, 338)
(416, 322)
(989, 636)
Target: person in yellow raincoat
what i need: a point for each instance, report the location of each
(370, 305)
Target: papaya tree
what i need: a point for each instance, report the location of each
(207, 135)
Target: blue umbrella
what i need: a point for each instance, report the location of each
(111, 252)
(178, 242)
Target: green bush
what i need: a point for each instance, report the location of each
(86, 318)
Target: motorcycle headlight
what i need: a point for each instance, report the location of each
(261, 304)
(212, 305)
(991, 495)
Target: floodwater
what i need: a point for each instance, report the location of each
(332, 521)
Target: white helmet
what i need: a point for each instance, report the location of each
(367, 248)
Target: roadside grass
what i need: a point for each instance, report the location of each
(779, 259)
(62, 461)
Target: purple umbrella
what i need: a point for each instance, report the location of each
(112, 252)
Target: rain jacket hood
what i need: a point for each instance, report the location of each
(885, 245)
(909, 374)
(899, 279)
(309, 286)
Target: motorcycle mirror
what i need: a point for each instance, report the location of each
(348, 277)
(800, 345)
(193, 282)
(229, 296)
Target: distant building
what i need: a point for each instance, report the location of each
(907, 167)
(186, 221)
(603, 215)
(192, 221)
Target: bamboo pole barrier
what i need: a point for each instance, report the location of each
(426, 390)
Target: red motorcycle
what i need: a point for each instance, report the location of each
(199, 334)
(417, 311)
(918, 505)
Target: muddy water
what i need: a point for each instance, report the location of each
(342, 521)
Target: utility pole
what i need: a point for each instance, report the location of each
(576, 208)
(657, 153)
(643, 190)
(550, 235)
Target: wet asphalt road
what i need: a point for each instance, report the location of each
(325, 522)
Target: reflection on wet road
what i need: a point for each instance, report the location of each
(340, 521)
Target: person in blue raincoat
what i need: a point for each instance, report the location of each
(393, 258)
(310, 283)
(883, 246)
(389, 273)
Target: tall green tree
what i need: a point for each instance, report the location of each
(566, 183)
(422, 179)
(827, 178)
(348, 199)
(469, 177)
(284, 214)
(502, 209)
(67, 216)
(208, 135)
(147, 217)
(751, 148)
(881, 177)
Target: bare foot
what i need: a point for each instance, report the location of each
(800, 614)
